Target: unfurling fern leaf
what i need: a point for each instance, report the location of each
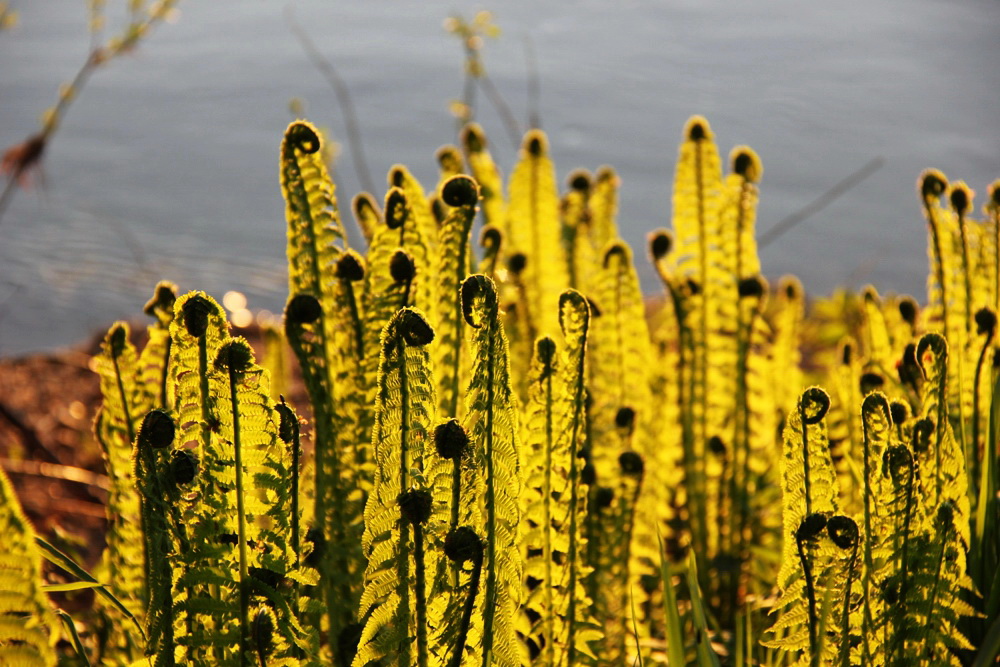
(491, 416)
(555, 498)
(404, 412)
(27, 623)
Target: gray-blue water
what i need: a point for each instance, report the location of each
(166, 166)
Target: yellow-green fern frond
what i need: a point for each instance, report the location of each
(603, 206)
(534, 230)
(367, 214)
(739, 212)
(394, 594)
(115, 427)
(27, 623)
(153, 364)
(484, 170)
(491, 415)
(461, 194)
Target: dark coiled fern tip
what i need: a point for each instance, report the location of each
(746, 163)
(871, 381)
(163, 299)
(401, 267)
(934, 343)
(396, 208)
(908, 310)
(717, 445)
(460, 191)
(932, 184)
(545, 352)
(815, 404)
(316, 538)
(604, 497)
(616, 250)
(235, 355)
(993, 194)
(516, 263)
(846, 353)
(303, 309)
(475, 287)
(986, 321)
(631, 464)
(843, 531)
(693, 287)
(364, 205)
(414, 328)
(183, 467)
(661, 241)
(451, 440)
(462, 545)
(897, 462)
(945, 519)
(415, 506)
(625, 418)
(923, 430)
(752, 287)
(287, 422)
(449, 158)
(899, 411)
(696, 129)
(535, 143)
(588, 474)
(350, 267)
(810, 527)
(607, 174)
(960, 198)
(473, 139)
(303, 137)
(116, 340)
(157, 429)
(262, 633)
(579, 180)
(196, 311)
(490, 237)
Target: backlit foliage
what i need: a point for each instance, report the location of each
(512, 456)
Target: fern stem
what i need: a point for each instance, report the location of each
(810, 593)
(205, 398)
(574, 485)
(805, 454)
(491, 500)
(470, 604)
(241, 514)
(403, 560)
(547, 504)
(418, 557)
(124, 398)
(845, 624)
(973, 456)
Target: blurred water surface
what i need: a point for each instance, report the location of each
(166, 167)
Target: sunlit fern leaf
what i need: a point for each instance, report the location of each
(808, 482)
(450, 163)
(159, 498)
(576, 229)
(153, 364)
(991, 241)
(367, 214)
(844, 420)
(603, 206)
(315, 233)
(711, 311)
(260, 468)
(404, 414)
(484, 170)
(116, 425)
(461, 194)
(739, 212)
(534, 230)
(942, 462)
(419, 235)
(491, 416)
(877, 340)
(787, 315)
(554, 497)
(28, 626)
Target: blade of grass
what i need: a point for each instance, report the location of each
(991, 646)
(706, 654)
(56, 557)
(675, 641)
(67, 620)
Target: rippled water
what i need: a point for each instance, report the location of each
(167, 164)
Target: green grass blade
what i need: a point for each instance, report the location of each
(675, 641)
(67, 621)
(706, 654)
